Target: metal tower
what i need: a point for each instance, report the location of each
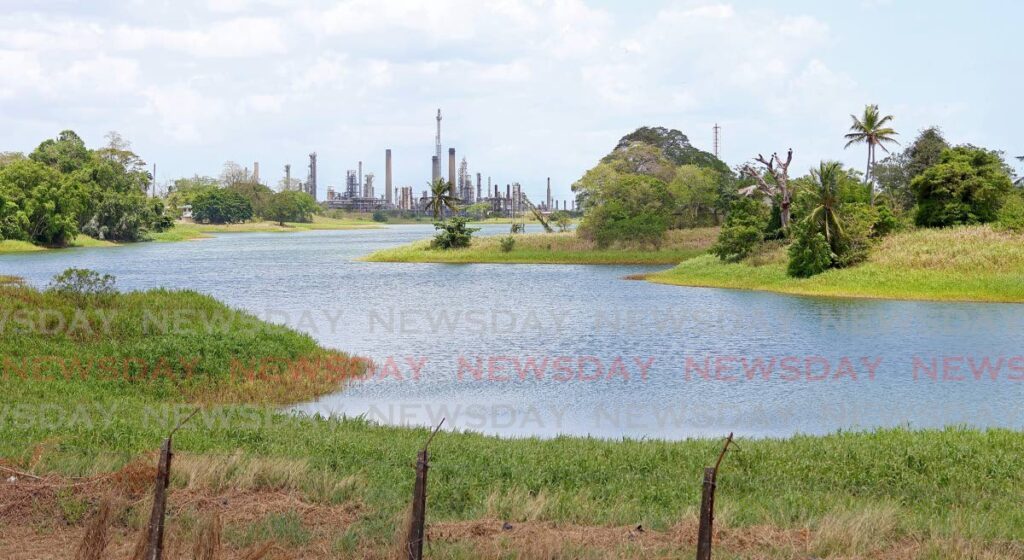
(718, 132)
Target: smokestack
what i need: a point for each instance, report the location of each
(549, 195)
(435, 173)
(451, 172)
(255, 172)
(359, 189)
(508, 191)
(287, 176)
(387, 176)
(479, 185)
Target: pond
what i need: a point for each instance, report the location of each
(542, 350)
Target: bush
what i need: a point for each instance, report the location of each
(291, 206)
(631, 209)
(1011, 215)
(380, 216)
(82, 282)
(859, 220)
(967, 186)
(743, 231)
(507, 243)
(453, 234)
(221, 206)
(809, 254)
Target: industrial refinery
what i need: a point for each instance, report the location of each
(359, 192)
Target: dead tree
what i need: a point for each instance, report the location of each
(779, 172)
(417, 521)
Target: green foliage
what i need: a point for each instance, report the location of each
(47, 212)
(291, 206)
(894, 173)
(635, 209)
(82, 283)
(675, 147)
(258, 195)
(221, 206)
(743, 231)
(696, 193)
(184, 191)
(441, 197)
(859, 220)
(1011, 215)
(824, 198)
(478, 211)
(967, 186)
(66, 153)
(125, 217)
(809, 254)
(380, 216)
(453, 234)
(562, 219)
(508, 243)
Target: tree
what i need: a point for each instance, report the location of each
(453, 234)
(258, 195)
(66, 153)
(871, 129)
(184, 191)
(695, 190)
(47, 212)
(825, 196)
(234, 173)
(809, 254)
(778, 190)
(8, 157)
(635, 209)
(440, 198)
(291, 206)
(894, 173)
(221, 206)
(743, 231)
(562, 220)
(967, 186)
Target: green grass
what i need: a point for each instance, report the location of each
(184, 231)
(936, 484)
(554, 248)
(960, 264)
(10, 246)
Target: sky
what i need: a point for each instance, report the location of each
(529, 89)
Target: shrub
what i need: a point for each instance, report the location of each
(507, 243)
(967, 186)
(743, 231)
(82, 282)
(1011, 215)
(809, 254)
(631, 209)
(380, 216)
(453, 234)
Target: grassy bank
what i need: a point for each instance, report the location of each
(554, 248)
(322, 488)
(960, 264)
(9, 246)
(183, 231)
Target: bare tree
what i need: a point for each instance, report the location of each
(779, 172)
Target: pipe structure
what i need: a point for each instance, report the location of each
(387, 176)
(451, 172)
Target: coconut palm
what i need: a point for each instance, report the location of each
(871, 129)
(440, 198)
(824, 216)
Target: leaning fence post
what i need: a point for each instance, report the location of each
(417, 521)
(155, 529)
(707, 506)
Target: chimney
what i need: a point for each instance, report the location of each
(287, 176)
(451, 172)
(387, 176)
(359, 189)
(548, 205)
(435, 167)
(255, 172)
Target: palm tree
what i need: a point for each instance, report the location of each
(825, 200)
(871, 129)
(440, 197)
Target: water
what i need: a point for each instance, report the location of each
(542, 350)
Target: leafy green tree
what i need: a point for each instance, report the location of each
(562, 219)
(825, 199)
(440, 197)
(871, 129)
(291, 206)
(66, 153)
(8, 157)
(48, 213)
(184, 191)
(967, 186)
(258, 195)
(453, 234)
(743, 231)
(589, 189)
(636, 209)
(221, 206)
(809, 254)
(696, 194)
(894, 173)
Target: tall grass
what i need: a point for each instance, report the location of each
(974, 263)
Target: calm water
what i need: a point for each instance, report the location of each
(543, 350)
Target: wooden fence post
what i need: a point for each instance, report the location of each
(417, 522)
(705, 532)
(155, 529)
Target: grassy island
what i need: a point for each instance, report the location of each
(555, 248)
(87, 405)
(968, 263)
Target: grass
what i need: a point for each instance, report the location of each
(10, 246)
(975, 263)
(184, 231)
(847, 493)
(555, 248)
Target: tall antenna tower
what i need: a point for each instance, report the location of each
(718, 139)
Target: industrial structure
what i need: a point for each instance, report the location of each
(360, 195)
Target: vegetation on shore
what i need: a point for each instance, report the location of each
(554, 248)
(183, 231)
(966, 263)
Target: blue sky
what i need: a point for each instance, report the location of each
(529, 88)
